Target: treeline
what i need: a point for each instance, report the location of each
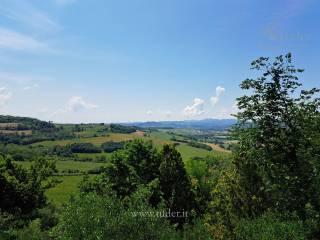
(30, 152)
(47, 131)
(108, 147)
(117, 128)
(38, 134)
(28, 123)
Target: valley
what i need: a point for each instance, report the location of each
(90, 157)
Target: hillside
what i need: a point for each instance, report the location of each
(25, 130)
(80, 149)
(209, 124)
(23, 123)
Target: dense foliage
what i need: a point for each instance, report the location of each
(276, 160)
(200, 145)
(22, 191)
(117, 128)
(27, 123)
(112, 146)
(277, 157)
(139, 164)
(83, 148)
(37, 130)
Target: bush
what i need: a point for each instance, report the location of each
(84, 148)
(111, 146)
(61, 151)
(200, 145)
(70, 171)
(95, 217)
(196, 230)
(22, 191)
(270, 227)
(32, 231)
(100, 159)
(117, 128)
(96, 170)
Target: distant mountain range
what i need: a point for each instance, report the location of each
(205, 124)
(212, 124)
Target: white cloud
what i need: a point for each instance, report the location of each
(220, 90)
(62, 3)
(24, 13)
(235, 105)
(75, 104)
(215, 99)
(196, 108)
(15, 41)
(149, 113)
(234, 108)
(26, 88)
(5, 96)
(78, 103)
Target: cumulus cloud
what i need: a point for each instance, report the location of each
(149, 112)
(234, 108)
(219, 91)
(75, 104)
(78, 103)
(5, 96)
(196, 108)
(214, 100)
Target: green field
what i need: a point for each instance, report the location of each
(94, 134)
(94, 140)
(65, 165)
(188, 152)
(63, 191)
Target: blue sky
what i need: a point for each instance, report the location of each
(140, 60)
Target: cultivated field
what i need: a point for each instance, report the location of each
(71, 169)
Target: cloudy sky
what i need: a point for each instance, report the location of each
(132, 60)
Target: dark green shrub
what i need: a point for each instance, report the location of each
(117, 128)
(112, 146)
(97, 217)
(84, 148)
(270, 227)
(200, 145)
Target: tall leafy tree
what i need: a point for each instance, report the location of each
(138, 163)
(22, 191)
(144, 158)
(277, 125)
(175, 183)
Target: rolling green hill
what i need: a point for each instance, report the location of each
(54, 141)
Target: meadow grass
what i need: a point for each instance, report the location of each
(93, 155)
(188, 152)
(62, 192)
(64, 165)
(117, 137)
